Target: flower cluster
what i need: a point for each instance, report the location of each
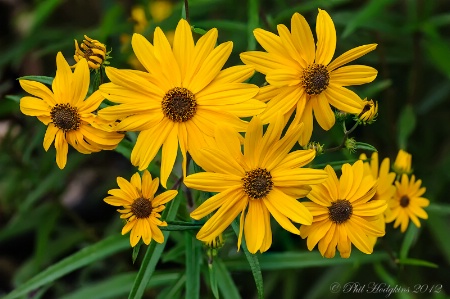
(241, 135)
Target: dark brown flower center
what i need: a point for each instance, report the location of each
(366, 108)
(65, 117)
(340, 211)
(315, 79)
(257, 183)
(179, 104)
(404, 201)
(141, 208)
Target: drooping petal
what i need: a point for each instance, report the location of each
(38, 90)
(34, 107)
(169, 155)
(322, 111)
(62, 149)
(254, 227)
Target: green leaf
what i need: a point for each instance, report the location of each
(125, 147)
(438, 50)
(253, 262)
(408, 240)
(154, 252)
(225, 282)
(439, 208)
(118, 286)
(212, 269)
(136, 250)
(193, 262)
(43, 79)
(198, 30)
(252, 24)
(43, 11)
(372, 10)
(417, 262)
(299, 260)
(406, 125)
(181, 226)
(84, 257)
(334, 164)
(365, 146)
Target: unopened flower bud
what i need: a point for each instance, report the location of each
(93, 51)
(369, 112)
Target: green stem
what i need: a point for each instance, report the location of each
(346, 134)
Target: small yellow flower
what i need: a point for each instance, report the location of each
(66, 112)
(93, 51)
(402, 163)
(160, 10)
(369, 112)
(343, 212)
(407, 203)
(385, 187)
(140, 207)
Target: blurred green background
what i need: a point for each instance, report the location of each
(47, 214)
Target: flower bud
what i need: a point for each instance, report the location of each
(93, 51)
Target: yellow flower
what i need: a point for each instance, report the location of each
(385, 188)
(407, 203)
(343, 213)
(265, 180)
(141, 208)
(301, 75)
(369, 112)
(181, 97)
(93, 51)
(139, 18)
(402, 163)
(160, 10)
(69, 116)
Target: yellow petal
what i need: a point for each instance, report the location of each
(202, 49)
(215, 202)
(282, 103)
(254, 227)
(50, 135)
(287, 76)
(169, 155)
(183, 46)
(322, 111)
(34, 107)
(289, 207)
(262, 62)
(280, 217)
(210, 67)
(62, 84)
(234, 74)
(307, 120)
(62, 149)
(80, 83)
(164, 197)
(288, 45)
(212, 182)
(344, 99)
(302, 38)
(163, 52)
(353, 75)
(39, 90)
(351, 55)
(326, 38)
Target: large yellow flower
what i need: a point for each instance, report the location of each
(266, 179)
(385, 188)
(303, 76)
(181, 97)
(407, 203)
(343, 213)
(69, 116)
(140, 207)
